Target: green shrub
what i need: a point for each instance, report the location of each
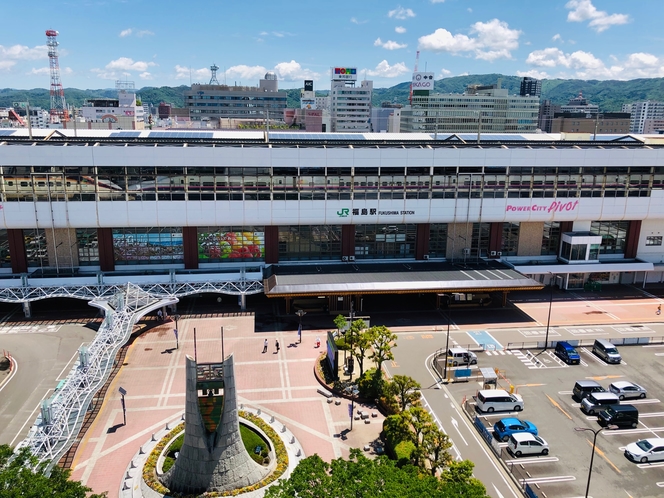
(370, 384)
(403, 453)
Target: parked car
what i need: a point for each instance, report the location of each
(606, 351)
(461, 356)
(566, 352)
(621, 416)
(583, 388)
(596, 402)
(646, 450)
(496, 400)
(625, 389)
(525, 443)
(505, 427)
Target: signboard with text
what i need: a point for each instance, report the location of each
(423, 81)
(344, 73)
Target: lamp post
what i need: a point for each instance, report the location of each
(300, 314)
(447, 344)
(548, 319)
(122, 400)
(592, 456)
(176, 317)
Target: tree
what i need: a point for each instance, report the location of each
(340, 323)
(382, 341)
(435, 444)
(362, 477)
(22, 476)
(360, 342)
(459, 476)
(405, 389)
(420, 421)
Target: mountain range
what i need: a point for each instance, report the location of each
(608, 94)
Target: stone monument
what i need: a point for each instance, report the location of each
(213, 457)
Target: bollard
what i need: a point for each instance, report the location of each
(241, 406)
(299, 453)
(141, 452)
(131, 465)
(127, 476)
(283, 428)
(168, 427)
(153, 438)
(292, 440)
(272, 419)
(125, 487)
(182, 416)
(258, 412)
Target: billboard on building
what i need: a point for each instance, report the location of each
(308, 85)
(423, 81)
(307, 103)
(344, 73)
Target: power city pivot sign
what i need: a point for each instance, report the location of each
(553, 207)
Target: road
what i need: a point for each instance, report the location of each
(43, 354)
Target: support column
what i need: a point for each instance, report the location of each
(190, 247)
(422, 240)
(19, 258)
(105, 245)
(530, 238)
(27, 309)
(243, 302)
(632, 240)
(61, 248)
(495, 238)
(272, 244)
(348, 240)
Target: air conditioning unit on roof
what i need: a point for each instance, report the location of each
(425, 257)
(344, 259)
(351, 258)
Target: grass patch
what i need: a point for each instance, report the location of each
(169, 458)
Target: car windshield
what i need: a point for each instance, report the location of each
(571, 350)
(500, 426)
(611, 350)
(610, 411)
(644, 445)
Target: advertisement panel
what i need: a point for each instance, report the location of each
(230, 245)
(423, 81)
(308, 85)
(344, 73)
(307, 103)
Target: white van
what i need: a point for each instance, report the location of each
(496, 400)
(461, 356)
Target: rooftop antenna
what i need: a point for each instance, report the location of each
(214, 68)
(417, 60)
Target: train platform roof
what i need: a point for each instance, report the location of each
(355, 278)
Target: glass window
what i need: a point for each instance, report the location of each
(613, 235)
(5, 257)
(510, 241)
(385, 241)
(654, 240)
(35, 247)
(437, 240)
(230, 244)
(316, 242)
(88, 246)
(148, 245)
(550, 238)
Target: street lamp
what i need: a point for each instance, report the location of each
(447, 344)
(592, 456)
(175, 331)
(300, 314)
(122, 392)
(548, 319)
(350, 366)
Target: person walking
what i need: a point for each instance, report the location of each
(265, 346)
(276, 344)
(160, 315)
(659, 310)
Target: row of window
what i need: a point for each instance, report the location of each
(161, 245)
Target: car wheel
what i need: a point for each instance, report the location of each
(545, 451)
(455, 363)
(474, 362)
(644, 460)
(642, 395)
(505, 439)
(621, 397)
(591, 412)
(518, 453)
(517, 408)
(634, 424)
(490, 409)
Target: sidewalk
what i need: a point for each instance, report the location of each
(282, 384)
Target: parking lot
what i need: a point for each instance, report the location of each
(546, 386)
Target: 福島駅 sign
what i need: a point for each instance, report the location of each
(346, 212)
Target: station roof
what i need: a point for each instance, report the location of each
(393, 278)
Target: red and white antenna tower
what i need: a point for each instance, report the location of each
(417, 61)
(58, 105)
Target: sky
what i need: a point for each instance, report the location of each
(170, 43)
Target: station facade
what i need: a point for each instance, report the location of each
(132, 205)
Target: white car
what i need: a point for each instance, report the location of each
(525, 443)
(625, 389)
(646, 450)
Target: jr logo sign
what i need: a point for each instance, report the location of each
(343, 213)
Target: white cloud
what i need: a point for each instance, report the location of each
(586, 66)
(127, 64)
(384, 70)
(400, 29)
(437, 1)
(7, 65)
(494, 40)
(145, 75)
(401, 13)
(21, 52)
(389, 44)
(42, 71)
(293, 71)
(444, 73)
(354, 20)
(533, 73)
(185, 73)
(141, 33)
(144, 32)
(125, 32)
(600, 20)
(556, 37)
(243, 72)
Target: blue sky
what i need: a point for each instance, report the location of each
(157, 43)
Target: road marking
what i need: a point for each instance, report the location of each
(597, 360)
(456, 426)
(565, 392)
(530, 385)
(11, 376)
(643, 401)
(605, 377)
(650, 465)
(427, 336)
(555, 403)
(484, 339)
(542, 480)
(653, 414)
(59, 377)
(30, 417)
(525, 461)
(394, 364)
(633, 431)
(500, 495)
(603, 455)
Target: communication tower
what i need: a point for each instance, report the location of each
(58, 105)
(214, 68)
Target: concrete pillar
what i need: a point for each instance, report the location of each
(243, 302)
(530, 238)
(27, 309)
(62, 248)
(459, 237)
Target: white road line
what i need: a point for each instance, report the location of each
(541, 480)
(650, 466)
(58, 378)
(11, 375)
(524, 461)
(30, 417)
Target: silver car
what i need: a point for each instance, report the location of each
(625, 390)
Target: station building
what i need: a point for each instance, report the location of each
(326, 216)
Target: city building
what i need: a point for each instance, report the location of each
(481, 109)
(123, 113)
(644, 115)
(381, 116)
(281, 213)
(607, 122)
(547, 111)
(215, 102)
(350, 105)
(579, 105)
(530, 87)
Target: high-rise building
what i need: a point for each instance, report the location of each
(579, 104)
(350, 105)
(547, 111)
(642, 115)
(481, 108)
(530, 86)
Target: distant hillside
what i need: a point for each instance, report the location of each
(609, 95)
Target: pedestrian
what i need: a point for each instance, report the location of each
(160, 316)
(265, 346)
(276, 344)
(659, 309)
(317, 342)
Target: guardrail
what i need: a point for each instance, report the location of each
(620, 341)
